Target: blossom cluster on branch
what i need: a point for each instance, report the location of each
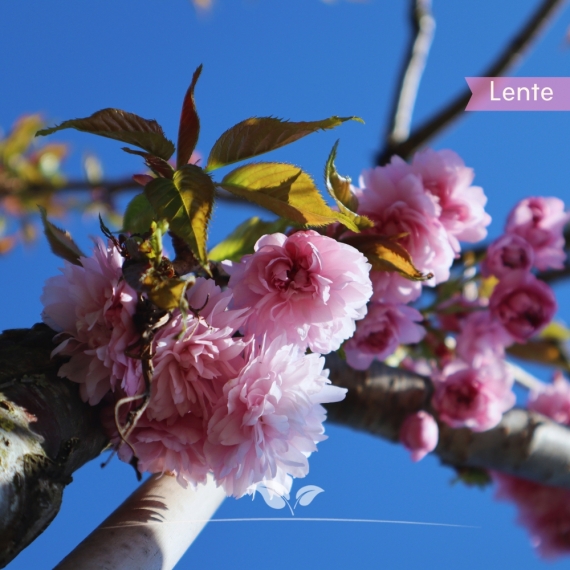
(212, 362)
(248, 408)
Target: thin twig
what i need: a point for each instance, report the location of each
(423, 28)
(505, 61)
(107, 187)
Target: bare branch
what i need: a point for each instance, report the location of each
(423, 28)
(509, 57)
(524, 444)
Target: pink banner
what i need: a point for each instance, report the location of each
(519, 93)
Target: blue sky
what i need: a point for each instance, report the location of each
(301, 60)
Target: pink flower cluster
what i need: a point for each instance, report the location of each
(91, 306)
(543, 510)
(432, 206)
(247, 408)
(307, 287)
(473, 385)
(553, 400)
(429, 206)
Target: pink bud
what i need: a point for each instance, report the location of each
(419, 434)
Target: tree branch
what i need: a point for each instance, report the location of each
(108, 187)
(423, 28)
(46, 433)
(505, 60)
(52, 432)
(155, 525)
(524, 444)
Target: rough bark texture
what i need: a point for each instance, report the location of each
(524, 444)
(46, 433)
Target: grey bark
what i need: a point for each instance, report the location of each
(46, 433)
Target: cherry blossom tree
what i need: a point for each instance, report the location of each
(382, 308)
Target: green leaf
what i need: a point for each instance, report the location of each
(122, 126)
(139, 215)
(243, 238)
(186, 203)
(339, 188)
(386, 254)
(60, 241)
(189, 128)
(257, 135)
(285, 190)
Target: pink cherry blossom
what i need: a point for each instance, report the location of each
(445, 176)
(508, 253)
(174, 446)
(395, 199)
(91, 306)
(191, 367)
(523, 304)
(270, 418)
(540, 221)
(307, 286)
(553, 400)
(419, 434)
(543, 510)
(471, 397)
(380, 333)
(482, 338)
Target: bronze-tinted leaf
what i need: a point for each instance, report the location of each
(122, 126)
(286, 190)
(258, 135)
(158, 165)
(60, 241)
(186, 203)
(547, 351)
(168, 294)
(189, 128)
(339, 188)
(241, 241)
(386, 254)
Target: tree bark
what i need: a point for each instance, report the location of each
(46, 431)
(524, 444)
(151, 530)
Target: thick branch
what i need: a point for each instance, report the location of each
(46, 433)
(505, 61)
(524, 444)
(423, 27)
